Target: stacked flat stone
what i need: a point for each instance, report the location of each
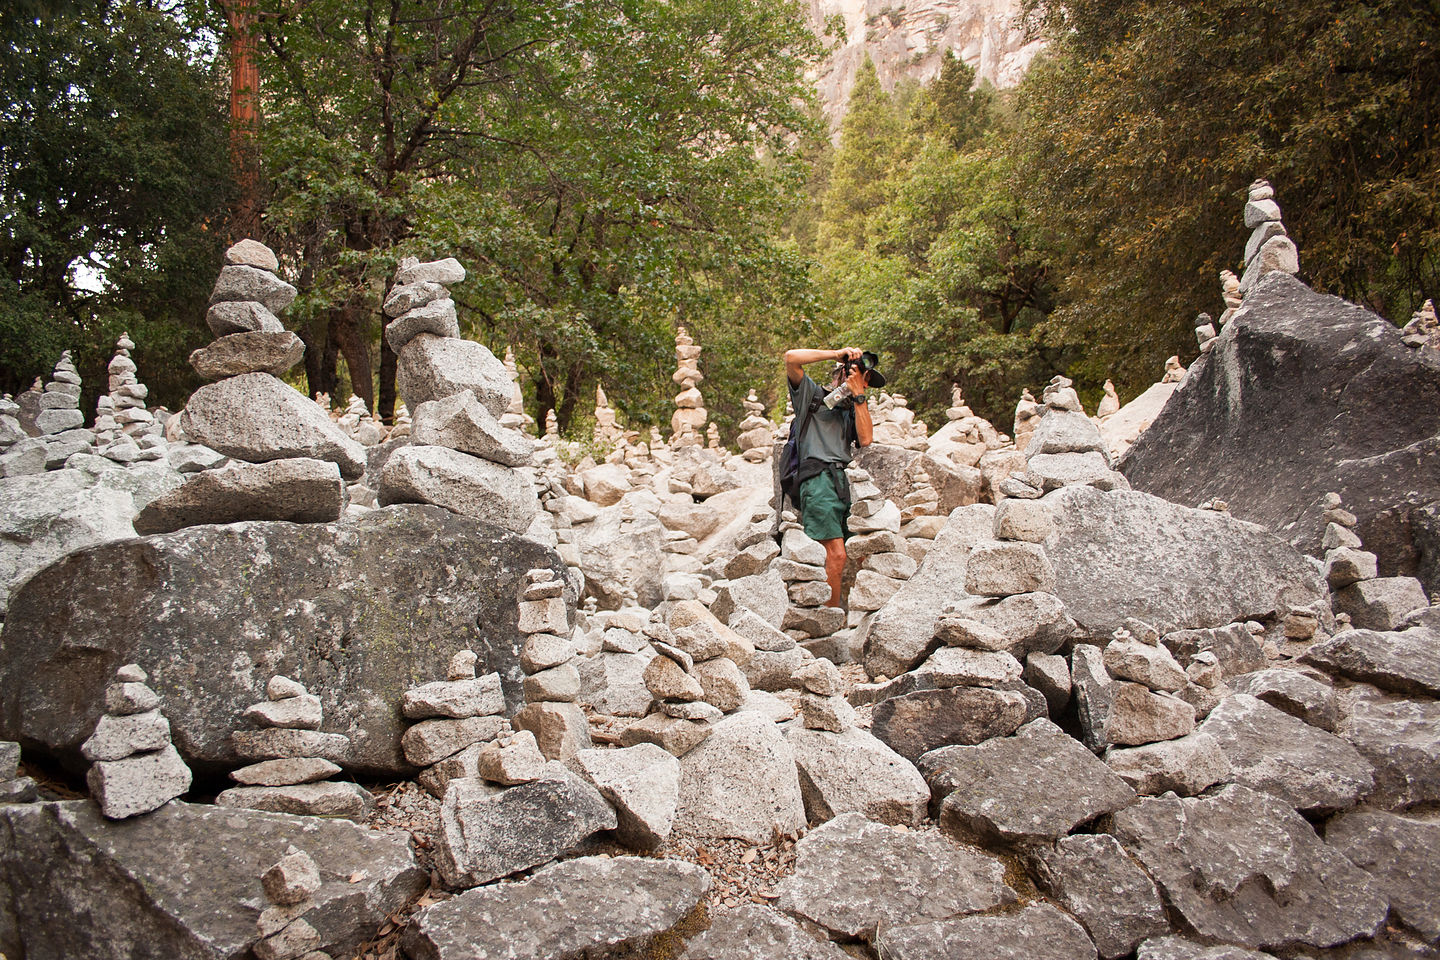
(290, 886)
(607, 431)
(127, 393)
(1065, 447)
(822, 704)
(552, 682)
(922, 500)
(59, 404)
(1110, 403)
(460, 457)
(294, 758)
(1230, 293)
(916, 434)
(1423, 330)
(457, 717)
(1204, 332)
(757, 434)
(712, 437)
(1370, 601)
(135, 768)
(802, 567)
(515, 417)
(687, 423)
(958, 409)
(1174, 371)
(13, 787)
(10, 430)
(1269, 248)
(1027, 416)
(402, 424)
(357, 422)
(680, 717)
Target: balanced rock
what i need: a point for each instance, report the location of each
(460, 483)
(433, 368)
(250, 351)
(299, 490)
(642, 783)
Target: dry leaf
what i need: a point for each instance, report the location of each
(359, 875)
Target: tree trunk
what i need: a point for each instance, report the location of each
(348, 334)
(388, 363)
(244, 116)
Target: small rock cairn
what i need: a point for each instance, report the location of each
(1364, 599)
(881, 573)
(1230, 293)
(125, 431)
(921, 503)
(1064, 448)
(295, 759)
(1027, 417)
(607, 430)
(757, 436)
(10, 430)
(45, 426)
(894, 422)
(135, 768)
(1204, 333)
(1110, 404)
(290, 886)
(802, 567)
(552, 683)
(1346, 562)
(402, 422)
(1174, 371)
(687, 423)
(515, 417)
(1269, 248)
(822, 704)
(457, 717)
(59, 407)
(1423, 330)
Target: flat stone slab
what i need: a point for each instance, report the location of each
(1242, 867)
(840, 866)
(300, 490)
(184, 882)
(1272, 751)
(1185, 766)
(752, 931)
(1399, 852)
(854, 772)
(470, 486)
(251, 351)
(1091, 876)
(1401, 739)
(1178, 948)
(916, 723)
(1405, 662)
(1037, 785)
(588, 907)
(740, 782)
(1038, 932)
(327, 799)
(1301, 696)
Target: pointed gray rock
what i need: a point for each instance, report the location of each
(642, 783)
(139, 783)
(436, 317)
(238, 282)
(433, 368)
(462, 423)
(241, 316)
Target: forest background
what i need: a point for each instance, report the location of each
(610, 169)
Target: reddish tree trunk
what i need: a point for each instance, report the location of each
(244, 115)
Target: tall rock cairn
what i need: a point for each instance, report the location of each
(125, 430)
(1269, 248)
(687, 423)
(879, 575)
(295, 759)
(802, 566)
(1230, 293)
(456, 718)
(290, 885)
(552, 683)
(1027, 417)
(515, 417)
(607, 432)
(136, 769)
(460, 457)
(757, 434)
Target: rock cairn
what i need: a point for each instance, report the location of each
(290, 886)
(515, 417)
(125, 431)
(460, 456)
(294, 759)
(757, 435)
(402, 424)
(456, 717)
(1230, 293)
(1027, 415)
(712, 438)
(59, 407)
(881, 573)
(1370, 601)
(1204, 332)
(607, 430)
(958, 409)
(356, 421)
(48, 426)
(1423, 330)
(822, 704)
(687, 423)
(1110, 404)
(135, 768)
(894, 422)
(1065, 448)
(802, 567)
(10, 430)
(1174, 371)
(1269, 248)
(552, 683)
(922, 502)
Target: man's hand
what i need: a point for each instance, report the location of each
(856, 381)
(850, 353)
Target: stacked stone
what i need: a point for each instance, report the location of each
(881, 574)
(607, 432)
(402, 424)
(757, 435)
(915, 434)
(515, 417)
(1174, 371)
(552, 682)
(135, 768)
(1269, 248)
(290, 886)
(127, 393)
(681, 716)
(294, 759)
(687, 423)
(357, 422)
(802, 567)
(1065, 448)
(1230, 293)
(461, 458)
(1110, 404)
(1423, 329)
(1370, 601)
(10, 430)
(1027, 416)
(822, 704)
(13, 787)
(59, 406)
(457, 717)
(958, 409)
(712, 438)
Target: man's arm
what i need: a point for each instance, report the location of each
(795, 360)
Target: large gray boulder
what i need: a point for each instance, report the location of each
(576, 910)
(1243, 867)
(1303, 394)
(841, 869)
(351, 609)
(903, 631)
(1401, 739)
(1272, 751)
(1091, 877)
(433, 368)
(258, 418)
(918, 722)
(1036, 785)
(1129, 554)
(741, 782)
(622, 550)
(1038, 932)
(184, 881)
(854, 772)
(1399, 852)
(1406, 662)
(299, 490)
(470, 486)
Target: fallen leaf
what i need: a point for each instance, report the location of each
(359, 875)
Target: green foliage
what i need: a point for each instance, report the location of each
(113, 171)
(1146, 122)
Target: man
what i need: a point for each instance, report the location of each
(825, 449)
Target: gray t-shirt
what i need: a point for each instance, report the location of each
(827, 438)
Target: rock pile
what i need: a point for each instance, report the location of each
(1269, 248)
(1370, 601)
(457, 717)
(135, 768)
(802, 567)
(515, 417)
(59, 408)
(687, 423)
(894, 423)
(1423, 330)
(757, 435)
(1065, 448)
(290, 885)
(294, 759)
(460, 456)
(552, 683)
(121, 412)
(48, 427)
(1027, 415)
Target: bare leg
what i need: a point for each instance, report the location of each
(834, 567)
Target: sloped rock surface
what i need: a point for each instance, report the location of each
(1242, 867)
(433, 368)
(1405, 662)
(1371, 406)
(1400, 853)
(841, 866)
(751, 931)
(1129, 554)
(853, 772)
(576, 910)
(75, 885)
(1039, 932)
(349, 608)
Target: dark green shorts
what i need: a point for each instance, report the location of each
(822, 512)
